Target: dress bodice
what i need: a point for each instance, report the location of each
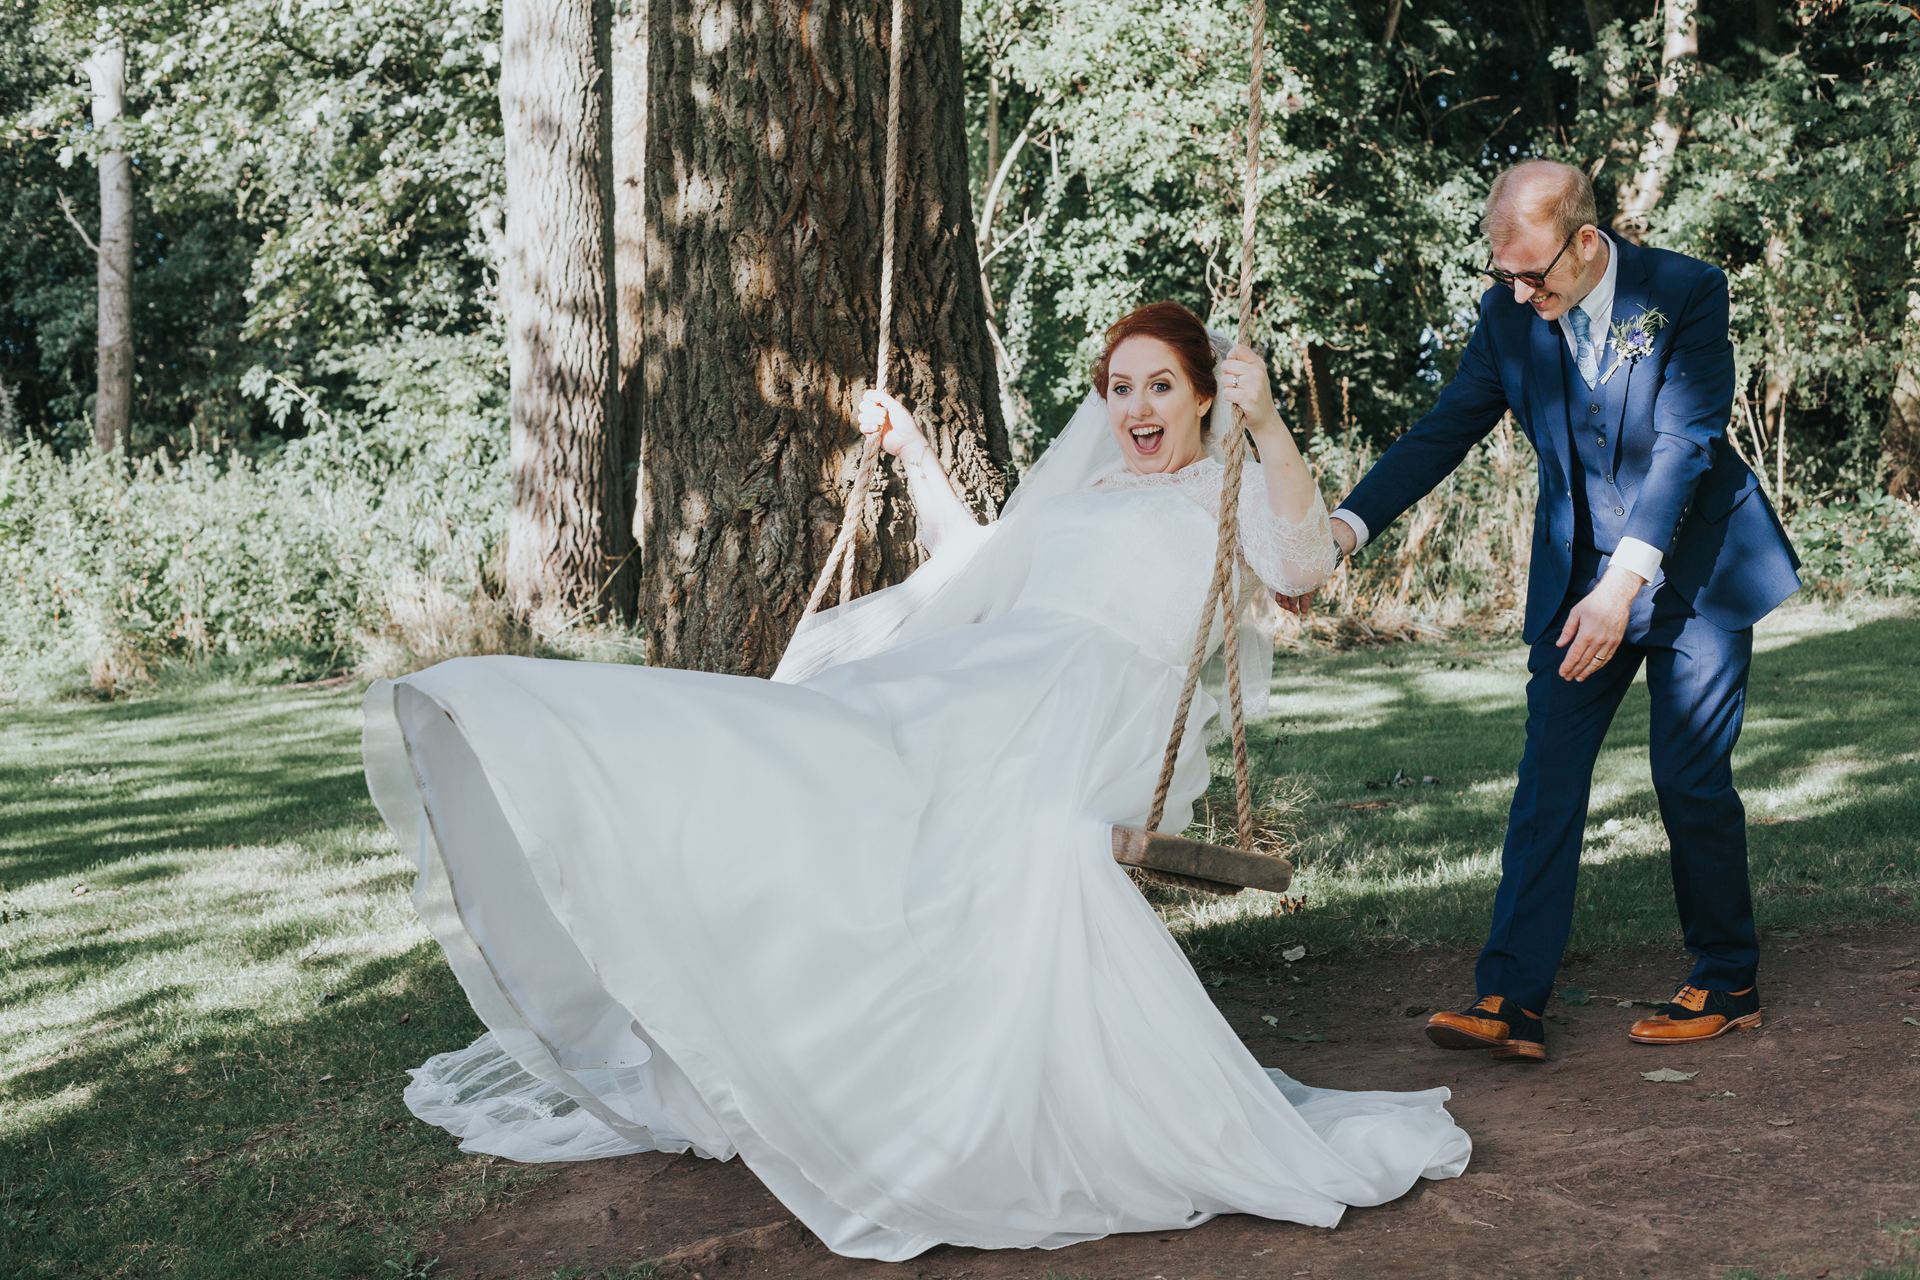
(1135, 560)
(1135, 553)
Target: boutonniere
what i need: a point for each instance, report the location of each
(1633, 339)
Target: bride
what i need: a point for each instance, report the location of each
(861, 923)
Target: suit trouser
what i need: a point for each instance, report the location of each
(1697, 678)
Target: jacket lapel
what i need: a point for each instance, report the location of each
(1549, 392)
(1630, 289)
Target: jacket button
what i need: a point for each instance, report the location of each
(1600, 440)
(1619, 511)
(1609, 479)
(1593, 408)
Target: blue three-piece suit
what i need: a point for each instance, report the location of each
(1642, 455)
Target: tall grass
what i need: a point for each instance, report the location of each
(368, 544)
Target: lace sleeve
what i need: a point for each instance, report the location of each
(1292, 558)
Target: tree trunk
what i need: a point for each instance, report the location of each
(1766, 24)
(567, 547)
(113, 397)
(1642, 192)
(765, 154)
(630, 238)
(1901, 442)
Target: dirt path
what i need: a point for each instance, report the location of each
(1785, 1153)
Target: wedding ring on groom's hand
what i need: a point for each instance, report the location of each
(1233, 380)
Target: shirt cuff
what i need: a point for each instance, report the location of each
(1361, 536)
(1642, 558)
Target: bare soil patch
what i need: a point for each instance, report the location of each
(1785, 1153)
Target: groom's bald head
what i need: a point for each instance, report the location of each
(1539, 193)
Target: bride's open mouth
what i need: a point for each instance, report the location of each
(1147, 438)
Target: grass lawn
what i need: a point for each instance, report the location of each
(1828, 765)
(211, 982)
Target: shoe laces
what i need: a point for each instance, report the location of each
(1489, 1004)
(1690, 998)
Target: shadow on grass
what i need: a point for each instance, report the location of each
(244, 767)
(242, 1145)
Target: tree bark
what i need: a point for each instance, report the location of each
(567, 545)
(1641, 193)
(765, 153)
(1901, 441)
(1766, 24)
(113, 394)
(630, 238)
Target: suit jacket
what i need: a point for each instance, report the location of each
(1680, 486)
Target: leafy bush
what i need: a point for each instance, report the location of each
(1870, 547)
(289, 564)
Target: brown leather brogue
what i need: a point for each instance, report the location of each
(1494, 1023)
(1693, 1015)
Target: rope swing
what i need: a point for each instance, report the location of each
(842, 551)
(1192, 863)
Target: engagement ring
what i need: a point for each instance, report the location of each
(1233, 380)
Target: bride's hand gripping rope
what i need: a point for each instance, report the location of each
(881, 412)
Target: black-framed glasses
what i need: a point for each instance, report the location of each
(1531, 279)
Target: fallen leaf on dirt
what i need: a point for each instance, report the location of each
(1781, 1123)
(1313, 1037)
(1778, 934)
(1912, 1022)
(1415, 1010)
(1575, 995)
(1293, 953)
(1667, 1075)
(1269, 1019)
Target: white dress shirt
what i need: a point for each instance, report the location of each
(1640, 557)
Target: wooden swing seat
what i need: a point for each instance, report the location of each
(1211, 868)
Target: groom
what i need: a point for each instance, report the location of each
(1652, 543)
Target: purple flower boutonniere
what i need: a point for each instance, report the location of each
(1633, 339)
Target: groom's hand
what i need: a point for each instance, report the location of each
(1597, 624)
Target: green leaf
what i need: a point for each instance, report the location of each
(1312, 1037)
(1667, 1075)
(1575, 996)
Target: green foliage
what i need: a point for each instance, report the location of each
(309, 179)
(1374, 165)
(1870, 547)
(281, 563)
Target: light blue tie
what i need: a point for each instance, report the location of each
(1584, 356)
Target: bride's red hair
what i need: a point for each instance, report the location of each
(1174, 325)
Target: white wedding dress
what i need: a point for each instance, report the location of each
(861, 924)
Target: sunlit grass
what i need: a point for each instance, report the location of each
(1829, 766)
(211, 983)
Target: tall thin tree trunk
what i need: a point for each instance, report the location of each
(1901, 441)
(1641, 193)
(113, 397)
(993, 124)
(765, 153)
(630, 236)
(567, 543)
(1779, 384)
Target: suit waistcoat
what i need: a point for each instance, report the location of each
(1598, 489)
